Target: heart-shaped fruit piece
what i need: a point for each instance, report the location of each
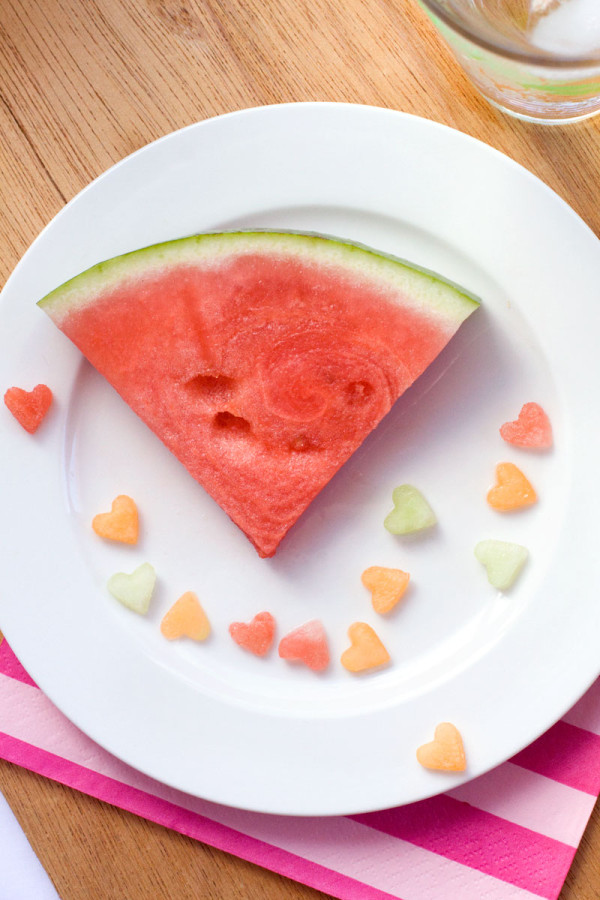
(366, 650)
(255, 636)
(387, 586)
(532, 429)
(29, 407)
(121, 523)
(134, 590)
(446, 752)
(512, 489)
(503, 561)
(307, 644)
(411, 511)
(186, 618)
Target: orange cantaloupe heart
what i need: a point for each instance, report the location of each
(121, 523)
(512, 490)
(387, 586)
(366, 651)
(186, 618)
(446, 752)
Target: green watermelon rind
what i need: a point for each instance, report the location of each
(418, 287)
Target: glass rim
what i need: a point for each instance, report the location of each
(506, 48)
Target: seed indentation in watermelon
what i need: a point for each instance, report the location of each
(211, 388)
(227, 421)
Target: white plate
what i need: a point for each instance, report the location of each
(263, 734)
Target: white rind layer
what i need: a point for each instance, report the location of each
(404, 282)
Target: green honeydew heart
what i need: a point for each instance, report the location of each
(503, 561)
(135, 590)
(411, 511)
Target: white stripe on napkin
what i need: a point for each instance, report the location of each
(531, 800)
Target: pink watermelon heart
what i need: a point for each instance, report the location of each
(306, 644)
(532, 429)
(29, 407)
(255, 636)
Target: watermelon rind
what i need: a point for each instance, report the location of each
(422, 288)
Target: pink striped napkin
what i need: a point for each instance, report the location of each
(508, 835)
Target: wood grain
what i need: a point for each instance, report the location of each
(84, 84)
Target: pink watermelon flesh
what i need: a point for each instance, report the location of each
(262, 369)
(307, 644)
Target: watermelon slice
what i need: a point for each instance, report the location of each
(262, 360)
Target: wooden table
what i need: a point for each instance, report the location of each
(82, 84)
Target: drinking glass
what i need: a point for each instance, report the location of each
(537, 60)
